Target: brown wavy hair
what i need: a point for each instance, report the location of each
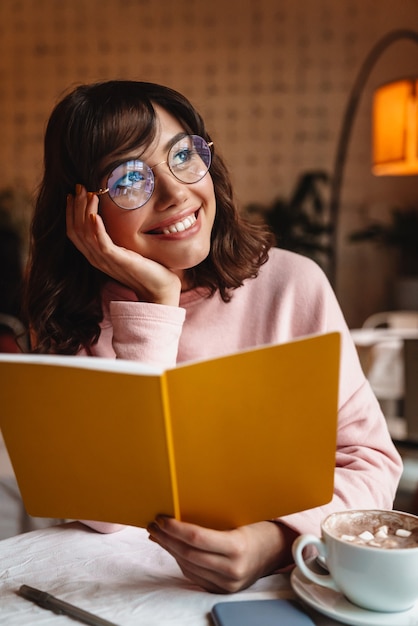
(63, 291)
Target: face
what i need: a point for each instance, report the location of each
(174, 227)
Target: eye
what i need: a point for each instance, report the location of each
(182, 157)
(135, 177)
(130, 179)
(128, 176)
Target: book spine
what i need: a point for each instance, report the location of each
(170, 445)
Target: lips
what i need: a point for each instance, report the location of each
(177, 227)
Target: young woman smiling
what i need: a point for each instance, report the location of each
(139, 252)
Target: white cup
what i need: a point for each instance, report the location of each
(378, 574)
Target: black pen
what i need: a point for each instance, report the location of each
(46, 601)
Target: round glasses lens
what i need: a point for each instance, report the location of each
(189, 159)
(131, 184)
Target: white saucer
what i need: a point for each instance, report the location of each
(335, 605)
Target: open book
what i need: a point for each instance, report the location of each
(223, 442)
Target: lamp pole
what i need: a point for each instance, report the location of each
(342, 146)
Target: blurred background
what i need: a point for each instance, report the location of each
(274, 80)
(271, 78)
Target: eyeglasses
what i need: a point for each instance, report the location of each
(131, 184)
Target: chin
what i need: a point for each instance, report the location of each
(195, 262)
(188, 261)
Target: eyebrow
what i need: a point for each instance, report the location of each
(170, 143)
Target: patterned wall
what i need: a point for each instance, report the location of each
(271, 78)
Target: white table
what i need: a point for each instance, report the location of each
(381, 352)
(123, 577)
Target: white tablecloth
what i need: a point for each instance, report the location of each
(122, 577)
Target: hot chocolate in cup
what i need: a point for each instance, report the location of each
(372, 557)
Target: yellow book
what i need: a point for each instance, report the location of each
(221, 443)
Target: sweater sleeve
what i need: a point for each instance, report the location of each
(138, 331)
(368, 466)
(145, 332)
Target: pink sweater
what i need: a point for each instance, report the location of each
(291, 297)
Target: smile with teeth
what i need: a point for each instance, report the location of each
(179, 227)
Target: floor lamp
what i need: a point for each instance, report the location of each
(395, 127)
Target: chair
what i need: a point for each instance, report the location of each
(14, 334)
(393, 319)
(398, 351)
(408, 445)
(411, 387)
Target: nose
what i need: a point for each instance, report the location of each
(168, 190)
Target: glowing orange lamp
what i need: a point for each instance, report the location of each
(395, 124)
(395, 129)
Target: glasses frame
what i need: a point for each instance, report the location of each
(101, 191)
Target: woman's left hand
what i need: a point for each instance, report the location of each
(224, 561)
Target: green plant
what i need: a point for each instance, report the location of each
(401, 233)
(15, 213)
(301, 223)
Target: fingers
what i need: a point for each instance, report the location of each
(77, 208)
(81, 214)
(209, 581)
(151, 281)
(215, 573)
(191, 534)
(215, 560)
(86, 230)
(222, 561)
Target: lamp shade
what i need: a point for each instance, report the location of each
(395, 129)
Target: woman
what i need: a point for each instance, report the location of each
(150, 260)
